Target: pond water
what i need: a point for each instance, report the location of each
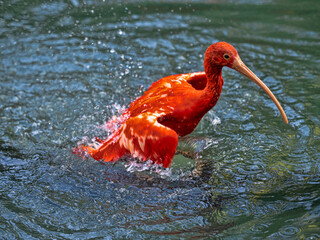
(66, 67)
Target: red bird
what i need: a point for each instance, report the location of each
(172, 107)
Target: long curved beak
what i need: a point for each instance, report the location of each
(239, 66)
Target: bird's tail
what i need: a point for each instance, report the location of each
(109, 150)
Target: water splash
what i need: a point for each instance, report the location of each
(137, 166)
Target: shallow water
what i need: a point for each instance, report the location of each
(66, 67)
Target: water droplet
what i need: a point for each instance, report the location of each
(216, 120)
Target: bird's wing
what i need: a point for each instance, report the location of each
(145, 138)
(141, 136)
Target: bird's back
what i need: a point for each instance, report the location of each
(169, 94)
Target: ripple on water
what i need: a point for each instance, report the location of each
(66, 68)
(289, 231)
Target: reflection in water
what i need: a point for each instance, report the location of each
(67, 67)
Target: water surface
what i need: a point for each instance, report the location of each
(66, 67)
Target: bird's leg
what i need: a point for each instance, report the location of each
(203, 169)
(190, 146)
(191, 155)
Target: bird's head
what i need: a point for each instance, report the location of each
(222, 54)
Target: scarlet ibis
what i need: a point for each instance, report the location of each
(172, 107)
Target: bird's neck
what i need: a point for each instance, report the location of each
(214, 80)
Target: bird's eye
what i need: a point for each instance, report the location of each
(226, 56)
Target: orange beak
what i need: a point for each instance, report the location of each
(239, 66)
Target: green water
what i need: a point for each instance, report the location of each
(66, 67)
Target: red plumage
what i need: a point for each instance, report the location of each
(171, 107)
